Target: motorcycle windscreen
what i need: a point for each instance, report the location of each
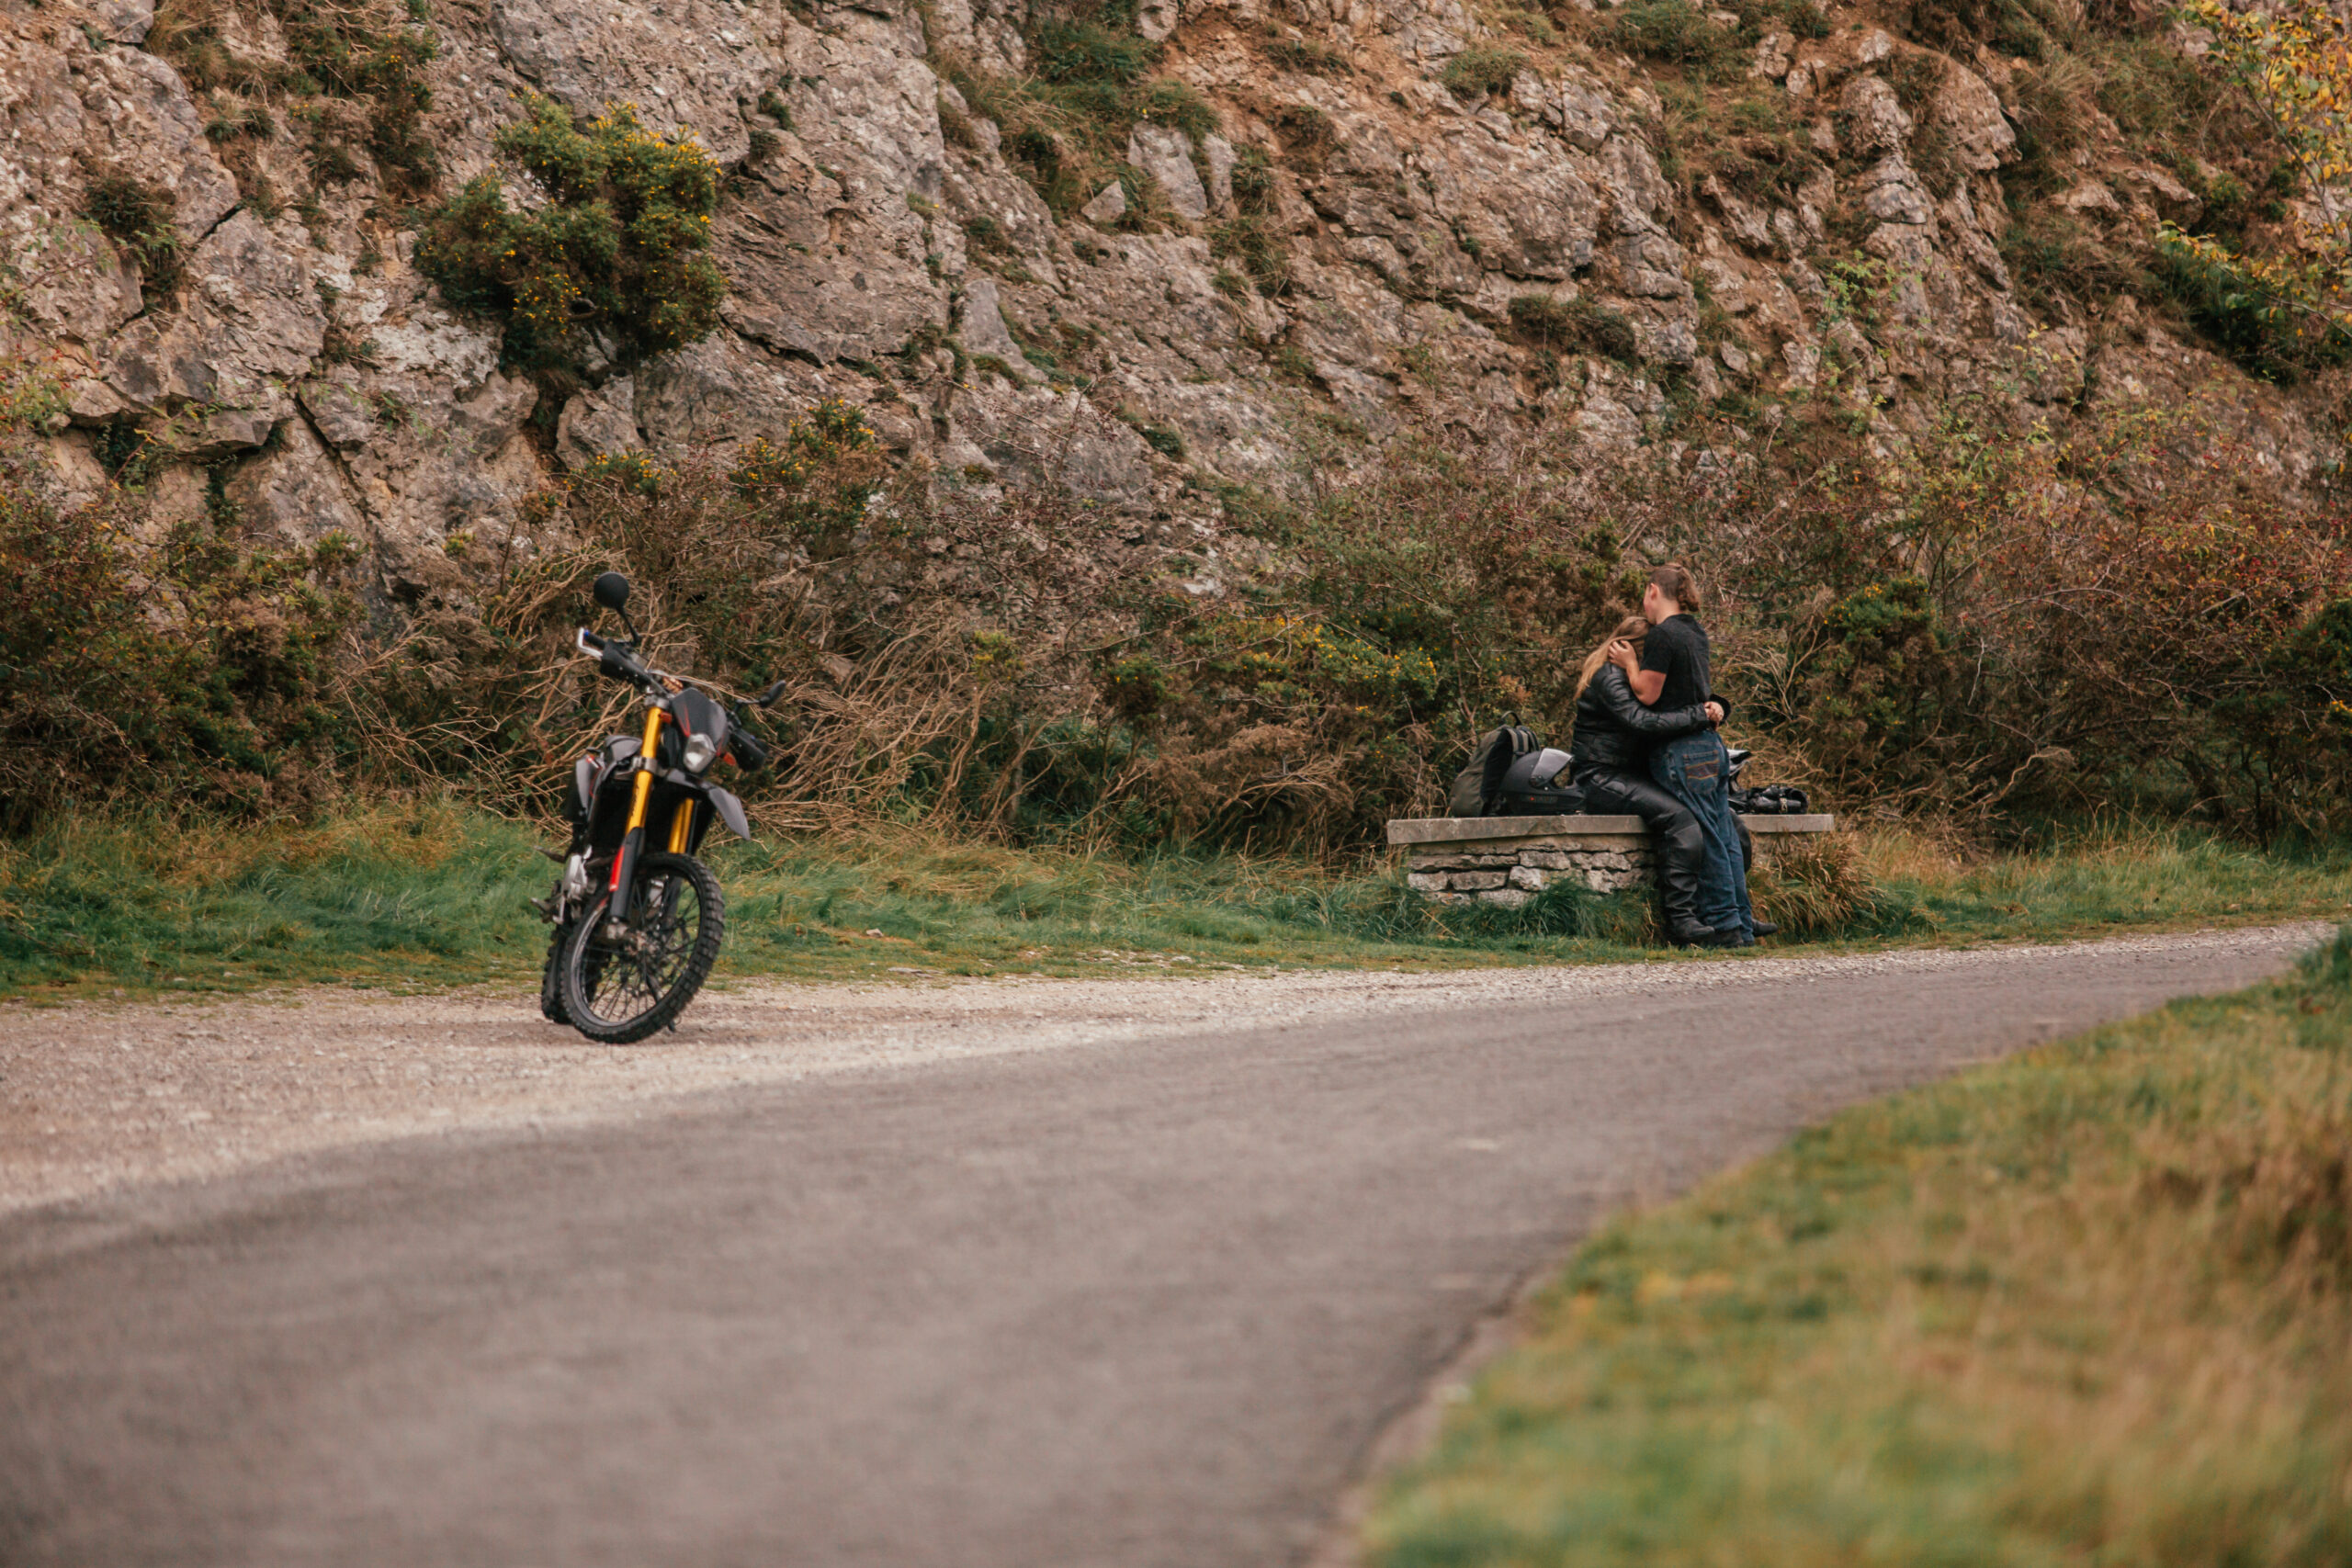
(697, 715)
(731, 811)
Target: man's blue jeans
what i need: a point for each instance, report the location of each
(1695, 769)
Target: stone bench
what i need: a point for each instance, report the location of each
(1508, 860)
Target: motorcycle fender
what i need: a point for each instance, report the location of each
(731, 811)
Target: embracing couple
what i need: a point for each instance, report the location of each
(1645, 745)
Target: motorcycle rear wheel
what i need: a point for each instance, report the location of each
(623, 986)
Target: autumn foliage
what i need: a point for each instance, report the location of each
(2294, 60)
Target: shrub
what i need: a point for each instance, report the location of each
(196, 672)
(2040, 619)
(1252, 238)
(1475, 73)
(2268, 336)
(1307, 55)
(382, 63)
(1534, 26)
(2055, 256)
(619, 247)
(1674, 31)
(1306, 133)
(137, 215)
(1578, 325)
(1086, 52)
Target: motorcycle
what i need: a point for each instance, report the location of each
(637, 928)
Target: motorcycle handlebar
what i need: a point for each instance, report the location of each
(615, 659)
(618, 662)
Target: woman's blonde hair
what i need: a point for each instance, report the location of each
(1632, 629)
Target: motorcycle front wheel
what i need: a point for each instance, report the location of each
(551, 976)
(621, 985)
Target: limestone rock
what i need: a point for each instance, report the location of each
(980, 325)
(1892, 193)
(826, 254)
(1218, 154)
(687, 65)
(125, 21)
(1970, 114)
(1524, 207)
(251, 321)
(1031, 434)
(72, 285)
(2090, 196)
(1167, 156)
(723, 391)
(1109, 205)
(1878, 120)
(599, 423)
(298, 492)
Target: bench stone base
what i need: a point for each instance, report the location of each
(1507, 860)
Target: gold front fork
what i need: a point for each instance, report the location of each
(644, 791)
(682, 825)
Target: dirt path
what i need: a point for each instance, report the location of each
(97, 1097)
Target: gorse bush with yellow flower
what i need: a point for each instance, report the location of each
(618, 248)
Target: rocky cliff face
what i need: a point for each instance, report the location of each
(1406, 210)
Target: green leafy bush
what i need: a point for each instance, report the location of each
(196, 670)
(1880, 685)
(618, 248)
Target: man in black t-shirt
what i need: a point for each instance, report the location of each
(1694, 769)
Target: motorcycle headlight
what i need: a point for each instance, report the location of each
(701, 752)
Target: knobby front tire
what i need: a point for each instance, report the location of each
(619, 991)
(552, 975)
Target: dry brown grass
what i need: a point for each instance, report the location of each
(1811, 888)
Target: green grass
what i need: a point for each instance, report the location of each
(431, 894)
(2092, 1305)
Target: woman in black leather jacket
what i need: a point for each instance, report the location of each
(1610, 762)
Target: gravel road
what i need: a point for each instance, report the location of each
(1001, 1272)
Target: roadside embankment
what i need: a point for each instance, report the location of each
(430, 896)
(2092, 1303)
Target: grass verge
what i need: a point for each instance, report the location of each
(429, 894)
(2089, 1305)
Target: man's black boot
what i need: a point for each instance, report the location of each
(1692, 934)
(1764, 928)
